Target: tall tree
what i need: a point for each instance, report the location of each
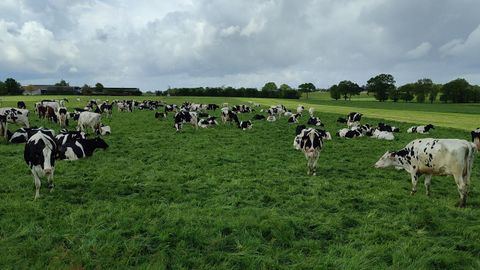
(334, 92)
(13, 87)
(347, 89)
(406, 92)
(306, 88)
(3, 89)
(270, 87)
(99, 87)
(380, 86)
(86, 90)
(456, 91)
(285, 86)
(432, 96)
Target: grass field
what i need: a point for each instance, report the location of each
(223, 198)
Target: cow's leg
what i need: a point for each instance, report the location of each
(314, 165)
(38, 183)
(50, 180)
(462, 189)
(428, 181)
(414, 183)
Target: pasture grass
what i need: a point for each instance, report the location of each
(222, 198)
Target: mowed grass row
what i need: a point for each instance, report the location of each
(225, 198)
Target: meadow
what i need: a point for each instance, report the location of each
(222, 198)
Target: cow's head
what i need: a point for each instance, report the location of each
(389, 159)
(100, 143)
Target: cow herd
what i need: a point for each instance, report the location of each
(43, 146)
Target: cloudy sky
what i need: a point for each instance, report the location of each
(183, 43)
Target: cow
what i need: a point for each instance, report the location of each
(41, 111)
(39, 154)
(80, 148)
(210, 121)
(62, 116)
(50, 103)
(341, 120)
(310, 141)
(212, 107)
(88, 119)
(476, 138)
(185, 117)
(22, 135)
(271, 118)
(315, 121)
(16, 116)
(434, 157)
(420, 129)
(170, 108)
(349, 133)
(293, 119)
(68, 136)
(160, 115)
(353, 119)
(300, 109)
(258, 117)
(381, 135)
(229, 116)
(244, 125)
(104, 130)
(106, 108)
(21, 105)
(388, 128)
(311, 110)
(51, 114)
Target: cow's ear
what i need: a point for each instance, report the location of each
(392, 154)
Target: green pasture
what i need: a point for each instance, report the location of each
(222, 198)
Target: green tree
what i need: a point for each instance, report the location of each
(306, 88)
(406, 92)
(422, 88)
(334, 92)
(432, 96)
(456, 91)
(270, 87)
(285, 87)
(393, 94)
(347, 89)
(13, 87)
(62, 83)
(3, 89)
(380, 86)
(86, 90)
(99, 87)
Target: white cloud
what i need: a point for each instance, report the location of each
(419, 51)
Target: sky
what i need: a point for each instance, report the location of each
(154, 45)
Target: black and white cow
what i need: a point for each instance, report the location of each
(39, 154)
(68, 136)
(300, 109)
(104, 130)
(171, 108)
(381, 135)
(229, 116)
(21, 105)
(212, 107)
(185, 117)
(310, 141)
(353, 119)
(63, 116)
(434, 157)
(420, 129)
(258, 117)
(294, 118)
(476, 138)
(315, 121)
(349, 133)
(388, 128)
(80, 148)
(107, 109)
(16, 116)
(208, 122)
(23, 134)
(244, 125)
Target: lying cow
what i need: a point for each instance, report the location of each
(68, 136)
(310, 141)
(39, 154)
(388, 128)
(80, 148)
(420, 129)
(229, 116)
(208, 122)
(244, 125)
(294, 118)
(315, 121)
(349, 133)
(22, 135)
(381, 135)
(434, 157)
(353, 119)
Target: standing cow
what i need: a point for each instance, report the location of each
(39, 155)
(434, 157)
(88, 119)
(310, 141)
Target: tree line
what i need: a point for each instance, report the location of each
(383, 88)
(269, 90)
